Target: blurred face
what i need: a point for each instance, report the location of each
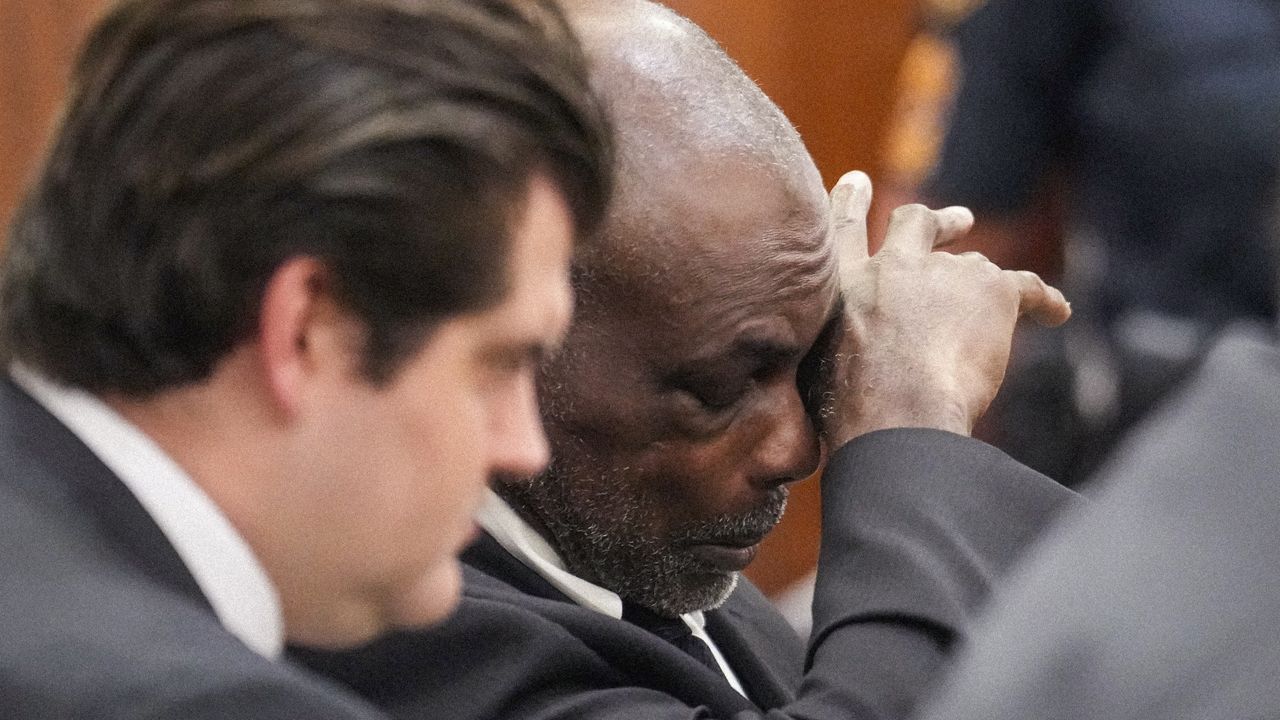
(674, 409)
(404, 464)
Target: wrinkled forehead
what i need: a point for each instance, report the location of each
(714, 244)
(717, 201)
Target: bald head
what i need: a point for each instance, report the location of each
(670, 85)
(683, 111)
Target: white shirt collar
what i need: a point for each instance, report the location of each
(519, 538)
(222, 563)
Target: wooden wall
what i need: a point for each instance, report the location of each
(830, 65)
(38, 43)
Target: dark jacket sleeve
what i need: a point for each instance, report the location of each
(917, 525)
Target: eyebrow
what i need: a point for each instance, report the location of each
(523, 349)
(766, 349)
(766, 352)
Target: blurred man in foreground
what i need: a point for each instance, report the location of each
(724, 307)
(1161, 599)
(271, 315)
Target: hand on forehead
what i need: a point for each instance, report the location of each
(918, 230)
(927, 333)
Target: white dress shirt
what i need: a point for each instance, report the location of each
(219, 559)
(520, 539)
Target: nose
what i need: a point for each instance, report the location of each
(788, 450)
(518, 443)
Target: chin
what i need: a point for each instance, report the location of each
(364, 616)
(695, 592)
(430, 600)
(335, 628)
(728, 584)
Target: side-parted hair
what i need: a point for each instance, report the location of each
(206, 142)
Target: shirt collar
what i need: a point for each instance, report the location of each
(519, 538)
(222, 563)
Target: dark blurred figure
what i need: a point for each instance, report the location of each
(1153, 123)
(1162, 599)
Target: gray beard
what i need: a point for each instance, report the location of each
(602, 528)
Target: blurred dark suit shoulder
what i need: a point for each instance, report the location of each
(99, 616)
(1162, 598)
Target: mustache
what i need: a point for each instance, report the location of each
(752, 525)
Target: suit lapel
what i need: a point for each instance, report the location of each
(34, 437)
(489, 557)
(745, 651)
(644, 658)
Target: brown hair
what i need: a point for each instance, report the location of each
(207, 141)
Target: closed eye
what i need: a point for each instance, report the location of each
(718, 382)
(717, 396)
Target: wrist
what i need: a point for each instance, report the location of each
(889, 414)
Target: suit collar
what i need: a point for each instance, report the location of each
(739, 639)
(34, 436)
(490, 558)
(512, 550)
(512, 532)
(208, 545)
(637, 653)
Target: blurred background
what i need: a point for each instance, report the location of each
(1124, 149)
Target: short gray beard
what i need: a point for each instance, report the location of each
(602, 528)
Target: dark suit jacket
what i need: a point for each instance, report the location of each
(916, 525)
(99, 618)
(1161, 600)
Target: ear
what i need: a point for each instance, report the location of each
(298, 330)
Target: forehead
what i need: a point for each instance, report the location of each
(538, 301)
(730, 245)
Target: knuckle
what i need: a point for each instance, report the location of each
(912, 211)
(1014, 281)
(1031, 279)
(846, 222)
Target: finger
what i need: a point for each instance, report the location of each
(953, 223)
(917, 230)
(1040, 301)
(850, 201)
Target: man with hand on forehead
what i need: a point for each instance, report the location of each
(729, 325)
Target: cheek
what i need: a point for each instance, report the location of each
(423, 512)
(429, 454)
(640, 439)
(450, 452)
(690, 481)
(449, 444)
